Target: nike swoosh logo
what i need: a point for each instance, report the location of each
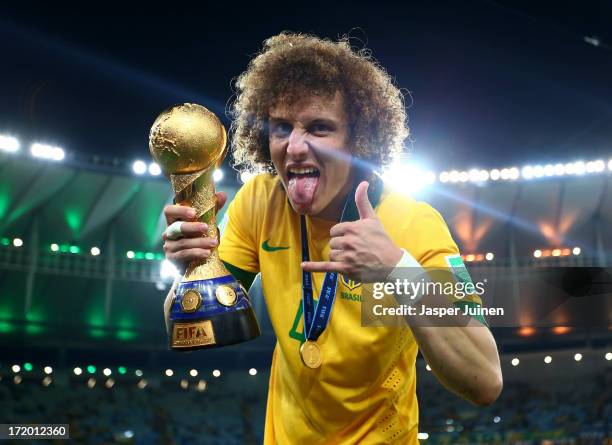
(268, 248)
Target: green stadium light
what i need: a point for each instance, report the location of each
(74, 249)
(64, 248)
(149, 256)
(160, 256)
(122, 369)
(28, 366)
(140, 255)
(91, 369)
(5, 242)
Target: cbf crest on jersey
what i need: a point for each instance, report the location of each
(349, 284)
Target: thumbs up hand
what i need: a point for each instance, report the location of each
(360, 250)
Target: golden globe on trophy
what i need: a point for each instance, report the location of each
(210, 308)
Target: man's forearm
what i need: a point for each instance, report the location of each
(463, 358)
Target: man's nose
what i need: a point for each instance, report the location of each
(297, 147)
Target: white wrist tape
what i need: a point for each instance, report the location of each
(173, 232)
(407, 270)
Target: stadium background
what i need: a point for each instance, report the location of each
(82, 279)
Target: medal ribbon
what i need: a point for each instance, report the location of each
(316, 317)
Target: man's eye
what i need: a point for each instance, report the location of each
(281, 128)
(320, 129)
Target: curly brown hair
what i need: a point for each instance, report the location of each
(292, 66)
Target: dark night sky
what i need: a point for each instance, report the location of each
(492, 83)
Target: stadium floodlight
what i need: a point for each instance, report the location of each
(483, 175)
(252, 371)
(169, 372)
(193, 373)
(514, 173)
(537, 253)
(610, 165)
(579, 168)
(130, 254)
(16, 368)
(95, 251)
(578, 356)
(576, 250)
(608, 356)
(49, 152)
(216, 373)
(47, 381)
(154, 169)
(17, 242)
(91, 382)
(109, 383)
(549, 170)
(9, 144)
(547, 359)
(48, 369)
(17, 379)
(527, 172)
(474, 175)
(28, 366)
(142, 384)
(184, 384)
(138, 373)
(107, 372)
(515, 361)
(422, 436)
(427, 367)
(505, 174)
(489, 256)
(128, 434)
(218, 175)
(201, 386)
(54, 247)
(91, 369)
(139, 167)
(444, 177)
(496, 419)
(122, 370)
(495, 174)
(599, 166)
(538, 171)
(77, 371)
(464, 176)
(453, 176)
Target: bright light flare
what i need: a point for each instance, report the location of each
(407, 178)
(217, 175)
(154, 169)
(9, 144)
(139, 167)
(49, 152)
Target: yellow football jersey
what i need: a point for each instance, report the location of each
(365, 390)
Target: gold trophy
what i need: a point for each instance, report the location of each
(210, 307)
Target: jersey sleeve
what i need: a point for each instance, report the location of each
(238, 245)
(436, 251)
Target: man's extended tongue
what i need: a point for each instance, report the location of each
(302, 188)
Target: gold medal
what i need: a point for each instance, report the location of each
(191, 301)
(311, 354)
(226, 295)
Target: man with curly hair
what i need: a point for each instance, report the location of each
(319, 119)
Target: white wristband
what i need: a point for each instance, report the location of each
(406, 270)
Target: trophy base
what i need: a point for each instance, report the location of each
(211, 314)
